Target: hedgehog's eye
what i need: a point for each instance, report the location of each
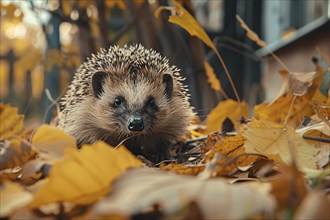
(118, 101)
(151, 104)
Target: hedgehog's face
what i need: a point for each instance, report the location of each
(132, 106)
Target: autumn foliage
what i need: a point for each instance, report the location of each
(269, 162)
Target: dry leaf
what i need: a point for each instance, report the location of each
(277, 112)
(84, 176)
(11, 122)
(14, 153)
(288, 187)
(171, 192)
(229, 108)
(52, 141)
(314, 206)
(183, 169)
(296, 83)
(13, 196)
(226, 146)
(211, 77)
(274, 141)
(251, 34)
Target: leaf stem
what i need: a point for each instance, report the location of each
(291, 105)
(227, 73)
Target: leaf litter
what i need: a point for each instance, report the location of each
(233, 165)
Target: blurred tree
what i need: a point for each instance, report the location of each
(75, 29)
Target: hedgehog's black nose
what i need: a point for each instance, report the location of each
(135, 124)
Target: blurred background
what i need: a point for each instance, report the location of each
(44, 41)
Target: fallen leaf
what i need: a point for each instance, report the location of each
(52, 141)
(14, 153)
(172, 192)
(226, 146)
(13, 197)
(277, 112)
(229, 108)
(314, 206)
(11, 122)
(82, 177)
(274, 141)
(288, 187)
(183, 169)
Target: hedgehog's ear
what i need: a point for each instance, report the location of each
(97, 83)
(168, 81)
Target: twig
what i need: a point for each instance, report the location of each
(291, 105)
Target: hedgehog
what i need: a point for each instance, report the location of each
(129, 95)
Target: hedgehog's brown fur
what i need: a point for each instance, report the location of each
(135, 74)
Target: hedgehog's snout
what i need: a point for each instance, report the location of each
(135, 123)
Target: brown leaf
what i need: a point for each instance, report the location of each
(288, 187)
(14, 153)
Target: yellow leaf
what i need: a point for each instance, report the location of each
(52, 141)
(181, 17)
(13, 196)
(11, 123)
(273, 139)
(15, 153)
(184, 19)
(229, 108)
(251, 34)
(82, 177)
(277, 111)
(211, 77)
